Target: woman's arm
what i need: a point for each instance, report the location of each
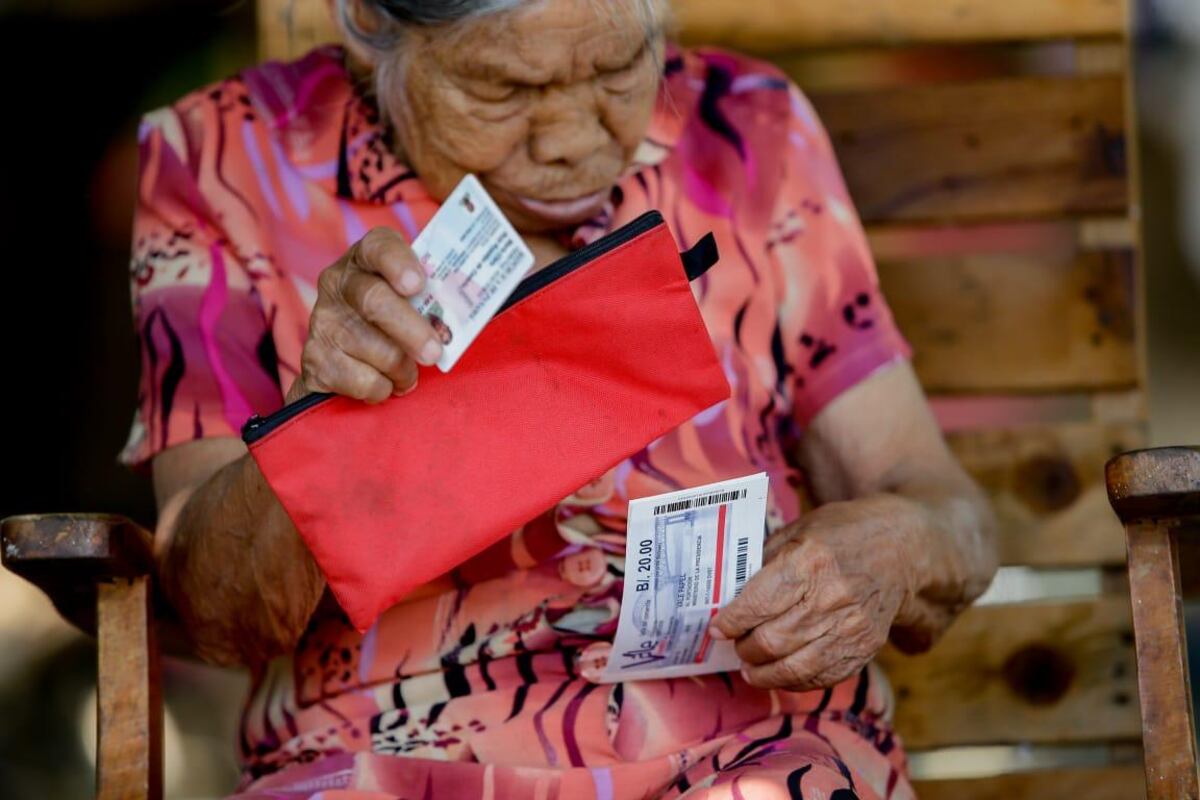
(230, 560)
(903, 542)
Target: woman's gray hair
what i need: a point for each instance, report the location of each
(393, 16)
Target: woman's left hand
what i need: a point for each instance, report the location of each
(825, 600)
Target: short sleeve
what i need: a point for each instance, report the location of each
(207, 355)
(836, 326)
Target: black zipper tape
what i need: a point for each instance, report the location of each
(696, 262)
(257, 427)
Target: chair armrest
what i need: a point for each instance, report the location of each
(67, 555)
(1152, 484)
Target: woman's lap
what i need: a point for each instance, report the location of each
(710, 738)
(777, 759)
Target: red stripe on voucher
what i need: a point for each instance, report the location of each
(702, 652)
(721, 512)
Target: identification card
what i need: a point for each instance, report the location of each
(688, 554)
(473, 259)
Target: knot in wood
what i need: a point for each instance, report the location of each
(1048, 483)
(1039, 674)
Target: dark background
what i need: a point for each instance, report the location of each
(79, 76)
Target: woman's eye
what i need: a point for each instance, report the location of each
(494, 92)
(624, 78)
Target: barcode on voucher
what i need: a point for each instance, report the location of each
(700, 502)
(742, 566)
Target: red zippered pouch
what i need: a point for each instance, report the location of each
(590, 360)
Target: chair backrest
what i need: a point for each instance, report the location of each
(990, 147)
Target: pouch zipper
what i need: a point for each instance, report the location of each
(257, 426)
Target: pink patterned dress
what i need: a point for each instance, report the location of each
(476, 686)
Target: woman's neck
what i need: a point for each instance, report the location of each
(546, 249)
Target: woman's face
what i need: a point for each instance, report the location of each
(546, 104)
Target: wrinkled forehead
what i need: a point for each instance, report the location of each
(546, 41)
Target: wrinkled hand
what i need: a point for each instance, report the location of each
(824, 602)
(365, 339)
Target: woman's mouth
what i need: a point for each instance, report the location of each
(563, 212)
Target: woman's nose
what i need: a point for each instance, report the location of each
(567, 131)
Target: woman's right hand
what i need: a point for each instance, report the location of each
(365, 339)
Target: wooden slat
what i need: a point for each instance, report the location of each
(1052, 321)
(964, 412)
(1040, 672)
(877, 67)
(1101, 783)
(1046, 485)
(784, 24)
(1021, 147)
(289, 27)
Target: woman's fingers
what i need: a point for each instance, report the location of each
(365, 337)
(776, 588)
(374, 300)
(361, 340)
(384, 252)
(816, 666)
(327, 369)
(781, 636)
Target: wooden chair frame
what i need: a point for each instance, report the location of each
(97, 570)
(1157, 495)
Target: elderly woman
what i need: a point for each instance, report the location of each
(271, 260)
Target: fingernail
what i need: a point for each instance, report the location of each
(410, 281)
(717, 633)
(430, 353)
(745, 675)
(402, 392)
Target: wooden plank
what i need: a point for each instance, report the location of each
(902, 241)
(129, 699)
(775, 25)
(1100, 783)
(1054, 321)
(1036, 672)
(879, 66)
(1014, 148)
(288, 28)
(956, 413)
(1046, 484)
